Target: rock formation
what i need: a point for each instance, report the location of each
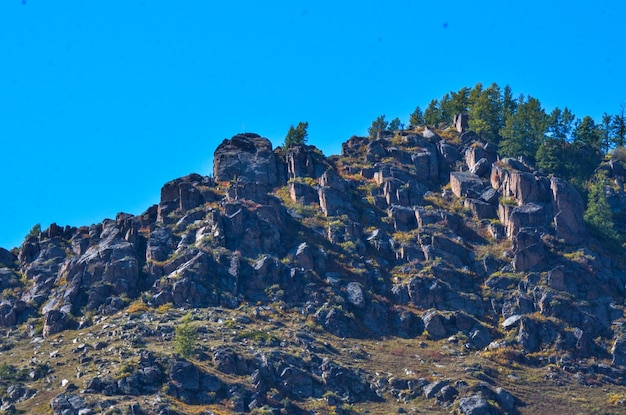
(407, 236)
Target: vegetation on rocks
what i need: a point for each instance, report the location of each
(471, 263)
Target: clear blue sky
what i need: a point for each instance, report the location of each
(102, 102)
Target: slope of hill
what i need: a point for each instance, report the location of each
(414, 273)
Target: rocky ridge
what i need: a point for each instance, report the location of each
(409, 236)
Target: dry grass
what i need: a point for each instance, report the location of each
(544, 389)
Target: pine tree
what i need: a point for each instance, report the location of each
(485, 112)
(550, 158)
(509, 104)
(296, 136)
(379, 124)
(560, 123)
(619, 127)
(598, 215)
(606, 131)
(35, 230)
(586, 154)
(396, 124)
(432, 114)
(417, 117)
(524, 130)
(454, 103)
(185, 337)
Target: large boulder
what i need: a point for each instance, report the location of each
(249, 160)
(305, 161)
(522, 186)
(531, 215)
(618, 351)
(181, 194)
(7, 258)
(56, 321)
(476, 405)
(568, 208)
(69, 404)
(465, 184)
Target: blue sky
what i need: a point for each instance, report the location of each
(101, 102)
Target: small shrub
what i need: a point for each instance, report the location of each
(164, 308)
(138, 306)
(508, 201)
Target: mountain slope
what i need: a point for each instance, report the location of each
(416, 271)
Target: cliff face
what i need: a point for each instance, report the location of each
(409, 236)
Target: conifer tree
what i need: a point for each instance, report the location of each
(454, 103)
(585, 153)
(395, 124)
(379, 124)
(550, 157)
(560, 123)
(524, 130)
(432, 114)
(606, 130)
(598, 215)
(296, 136)
(185, 337)
(619, 127)
(485, 112)
(417, 117)
(509, 104)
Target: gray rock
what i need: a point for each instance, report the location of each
(505, 399)
(334, 202)
(490, 196)
(296, 382)
(434, 323)
(568, 208)
(465, 184)
(302, 193)
(247, 156)
(185, 375)
(56, 321)
(305, 161)
(63, 404)
(432, 389)
(618, 351)
(527, 335)
(476, 405)
(556, 278)
(448, 393)
(346, 382)
(355, 295)
(511, 321)
(480, 209)
(403, 218)
(532, 215)
(7, 259)
(461, 122)
(481, 168)
(449, 153)
(480, 337)
(376, 149)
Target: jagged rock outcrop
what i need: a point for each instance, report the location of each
(568, 209)
(401, 235)
(513, 180)
(249, 162)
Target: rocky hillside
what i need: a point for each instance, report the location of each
(417, 272)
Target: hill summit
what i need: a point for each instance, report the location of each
(417, 272)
